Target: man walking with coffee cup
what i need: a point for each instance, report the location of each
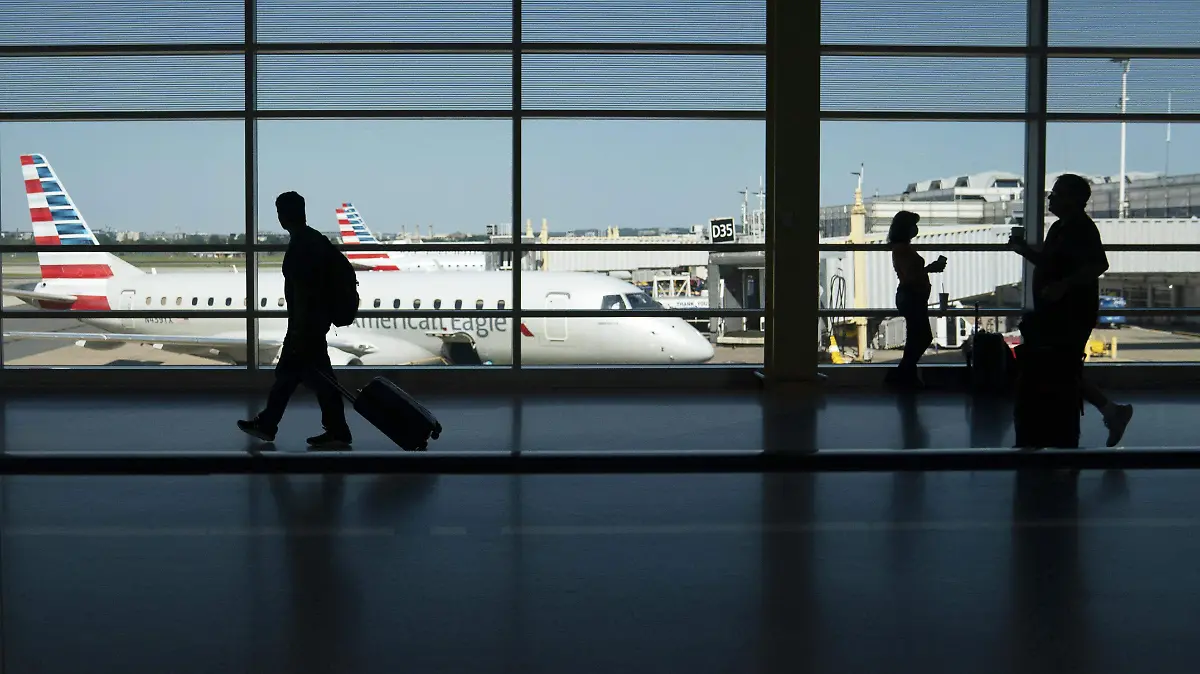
(1066, 283)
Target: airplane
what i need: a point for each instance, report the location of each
(76, 279)
(354, 232)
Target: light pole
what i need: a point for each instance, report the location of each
(1121, 210)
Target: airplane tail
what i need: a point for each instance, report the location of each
(57, 222)
(354, 231)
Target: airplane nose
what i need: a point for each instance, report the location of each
(694, 347)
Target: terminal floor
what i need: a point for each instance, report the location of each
(634, 422)
(835, 572)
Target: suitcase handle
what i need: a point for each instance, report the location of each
(346, 393)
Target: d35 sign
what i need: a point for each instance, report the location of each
(721, 230)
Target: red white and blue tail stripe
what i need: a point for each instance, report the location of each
(57, 222)
(354, 231)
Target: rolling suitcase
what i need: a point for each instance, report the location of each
(395, 413)
(992, 366)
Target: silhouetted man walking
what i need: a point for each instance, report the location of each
(1066, 283)
(305, 355)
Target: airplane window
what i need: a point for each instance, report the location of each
(478, 304)
(612, 303)
(210, 301)
(500, 304)
(458, 304)
(147, 300)
(243, 302)
(437, 304)
(642, 301)
(280, 302)
(163, 302)
(228, 301)
(179, 301)
(396, 304)
(377, 302)
(195, 301)
(263, 303)
(416, 304)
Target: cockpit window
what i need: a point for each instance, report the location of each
(612, 303)
(642, 301)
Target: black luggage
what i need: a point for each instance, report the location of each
(1049, 400)
(395, 413)
(991, 361)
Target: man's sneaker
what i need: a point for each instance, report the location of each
(1116, 421)
(257, 429)
(328, 440)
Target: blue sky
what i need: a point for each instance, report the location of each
(579, 174)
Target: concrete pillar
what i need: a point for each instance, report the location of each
(793, 188)
(1038, 21)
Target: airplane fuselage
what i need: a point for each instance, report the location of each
(618, 337)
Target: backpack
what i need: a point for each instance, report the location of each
(342, 289)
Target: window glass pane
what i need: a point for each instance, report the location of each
(79, 22)
(33, 342)
(189, 187)
(643, 82)
(918, 167)
(1115, 23)
(699, 170)
(923, 22)
(922, 84)
(384, 21)
(122, 83)
(385, 81)
(727, 21)
(407, 185)
(1153, 86)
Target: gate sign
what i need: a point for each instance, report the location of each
(721, 230)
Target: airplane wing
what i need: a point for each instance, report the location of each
(232, 345)
(36, 295)
(356, 347)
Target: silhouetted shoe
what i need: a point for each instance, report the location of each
(1117, 421)
(328, 440)
(256, 428)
